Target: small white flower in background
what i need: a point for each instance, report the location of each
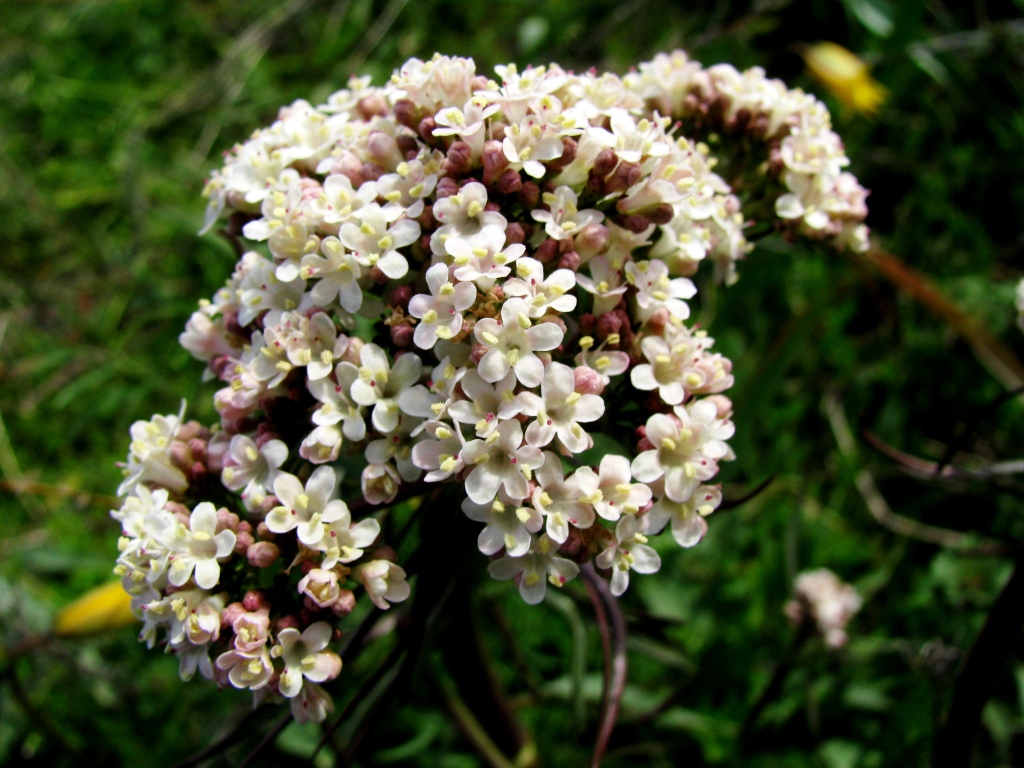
(339, 201)
(336, 405)
(464, 216)
(307, 508)
(557, 497)
(822, 597)
(542, 294)
(312, 705)
(528, 145)
(606, 363)
(337, 275)
(198, 547)
(487, 405)
(535, 570)
(384, 582)
(630, 552)
(247, 670)
(345, 541)
(440, 313)
(304, 657)
(483, 259)
(442, 456)
(408, 186)
(633, 140)
(606, 283)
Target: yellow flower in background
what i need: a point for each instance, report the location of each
(103, 608)
(845, 76)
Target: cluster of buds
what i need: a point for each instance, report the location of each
(824, 602)
(515, 256)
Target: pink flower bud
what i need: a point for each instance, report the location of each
(529, 194)
(662, 213)
(231, 612)
(252, 630)
(514, 233)
(591, 240)
(401, 335)
(244, 526)
(635, 223)
(378, 276)
(494, 162)
(547, 250)
(372, 106)
(426, 129)
(607, 324)
(509, 182)
(263, 554)
(569, 148)
(657, 322)
(286, 622)
(370, 172)
(459, 160)
(446, 187)
(605, 162)
(180, 455)
(196, 472)
(407, 113)
(242, 543)
(352, 354)
(587, 322)
(400, 296)
(226, 520)
(383, 150)
(254, 600)
(477, 353)
(570, 260)
(384, 553)
(587, 381)
(722, 403)
(345, 603)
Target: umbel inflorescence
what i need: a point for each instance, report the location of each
(452, 278)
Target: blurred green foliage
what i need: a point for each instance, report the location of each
(112, 111)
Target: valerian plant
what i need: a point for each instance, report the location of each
(457, 279)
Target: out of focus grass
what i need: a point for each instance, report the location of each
(112, 112)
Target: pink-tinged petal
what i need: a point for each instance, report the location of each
(660, 426)
(529, 370)
(487, 325)
(374, 358)
(207, 573)
(614, 469)
(516, 485)
(404, 233)
(529, 456)
(672, 394)
(539, 435)
(656, 520)
(281, 520)
(275, 452)
(689, 530)
(437, 276)
(421, 303)
(564, 570)
(326, 667)
(544, 337)
(678, 486)
(335, 510)
(490, 540)
(589, 408)
(310, 533)
(424, 336)
(464, 296)
(646, 467)
(385, 417)
(397, 590)
(558, 382)
(645, 559)
(587, 480)
(350, 296)
(406, 372)
(606, 558)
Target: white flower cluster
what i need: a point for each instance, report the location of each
(823, 598)
(822, 200)
(515, 253)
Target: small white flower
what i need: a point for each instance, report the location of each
(375, 241)
(307, 509)
(379, 384)
(304, 657)
(198, 548)
(339, 202)
(558, 497)
(337, 276)
(559, 410)
(464, 216)
(440, 313)
(486, 405)
(630, 552)
(529, 144)
(344, 541)
(284, 225)
(467, 124)
(564, 220)
(655, 289)
(542, 294)
(536, 569)
(606, 283)
(336, 404)
(513, 340)
(606, 363)
(251, 468)
(398, 445)
(502, 460)
(482, 260)
(384, 582)
(380, 483)
(442, 456)
(679, 366)
(509, 525)
(407, 187)
(247, 670)
(262, 290)
(687, 517)
(609, 489)
(633, 140)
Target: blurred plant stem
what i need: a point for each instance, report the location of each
(954, 744)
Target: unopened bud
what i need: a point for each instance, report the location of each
(547, 250)
(383, 150)
(605, 162)
(242, 542)
(635, 223)
(570, 260)
(401, 335)
(254, 600)
(231, 612)
(459, 160)
(400, 297)
(514, 233)
(591, 240)
(372, 106)
(446, 187)
(509, 182)
(587, 381)
(529, 194)
(345, 603)
(407, 113)
(494, 162)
